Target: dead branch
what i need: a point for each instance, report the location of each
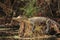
(6, 9)
(8, 3)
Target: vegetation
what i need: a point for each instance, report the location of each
(15, 15)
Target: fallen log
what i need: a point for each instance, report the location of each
(48, 22)
(35, 22)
